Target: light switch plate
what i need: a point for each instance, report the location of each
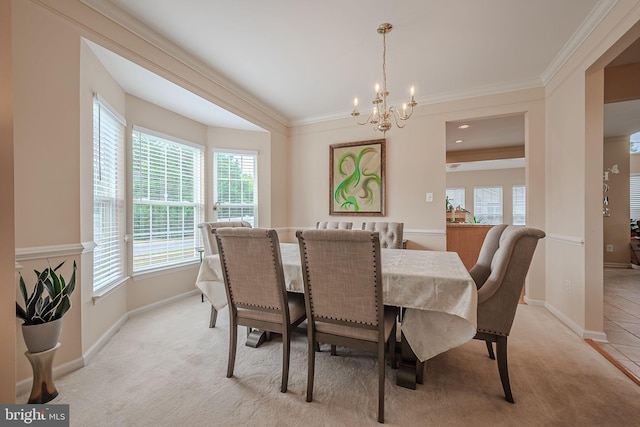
(429, 197)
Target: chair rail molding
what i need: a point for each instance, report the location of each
(414, 232)
(577, 241)
(52, 251)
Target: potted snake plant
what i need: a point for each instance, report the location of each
(44, 308)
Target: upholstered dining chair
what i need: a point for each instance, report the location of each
(481, 270)
(499, 295)
(208, 240)
(256, 294)
(390, 233)
(210, 288)
(334, 225)
(352, 315)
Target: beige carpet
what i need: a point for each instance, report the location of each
(167, 368)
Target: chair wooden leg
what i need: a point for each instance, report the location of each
(311, 366)
(420, 372)
(333, 350)
(233, 339)
(214, 316)
(501, 347)
(490, 350)
(286, 347)
(392, 349)
(381, 369)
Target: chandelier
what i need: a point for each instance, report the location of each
(380, 116)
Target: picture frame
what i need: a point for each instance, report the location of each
(357, 178)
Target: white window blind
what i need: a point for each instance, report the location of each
(487, 204)
(456, 197)
(108, 195)
(167, 200)
(235, 186)
(519, 205)
(634, 196)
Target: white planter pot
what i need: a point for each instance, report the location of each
(39, 338)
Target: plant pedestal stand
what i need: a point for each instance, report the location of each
(43, 389)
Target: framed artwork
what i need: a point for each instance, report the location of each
(356, 178)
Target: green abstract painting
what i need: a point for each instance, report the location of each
(357, 178)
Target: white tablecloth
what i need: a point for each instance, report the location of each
(435, 287)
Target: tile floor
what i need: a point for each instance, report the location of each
(622, 317)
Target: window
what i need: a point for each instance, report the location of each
(519, 205)
(487, 204)
(635, 143)
(108, 195)
(167, 200)
(634, 196)
(456, 197)
(235, 186)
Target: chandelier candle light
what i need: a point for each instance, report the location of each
(380, 116)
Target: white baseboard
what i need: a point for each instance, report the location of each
(617, 264)
(103, 340)
(24, 386)
(581, 332)
(534, 302)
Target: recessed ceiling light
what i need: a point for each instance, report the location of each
(463, 126)
(458, 141)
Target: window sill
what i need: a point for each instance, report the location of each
(107, 290)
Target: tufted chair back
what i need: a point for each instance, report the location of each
(208, 240)
(333, 225)
(482, 269)
(390, 233)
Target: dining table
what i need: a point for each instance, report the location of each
(436, 294)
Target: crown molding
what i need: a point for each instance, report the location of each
(588, 25)
(135, 27)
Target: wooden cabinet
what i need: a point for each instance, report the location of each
(466, 240)
(456, 216)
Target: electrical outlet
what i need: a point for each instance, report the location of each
(609, 248)
(567, 286)
(429, 197)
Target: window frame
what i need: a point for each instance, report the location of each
(478, 212)
(464, 195)
(514, 214)
(113, 248)
(217, 205)
(634, 202)
(186, 246)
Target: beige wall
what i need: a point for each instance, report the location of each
(7, 247)
(616, 226)
(415, 165)
(506, 178)
(46, 155)
(574, 129)
(621, 83)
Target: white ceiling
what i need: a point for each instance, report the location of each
(306, 61)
